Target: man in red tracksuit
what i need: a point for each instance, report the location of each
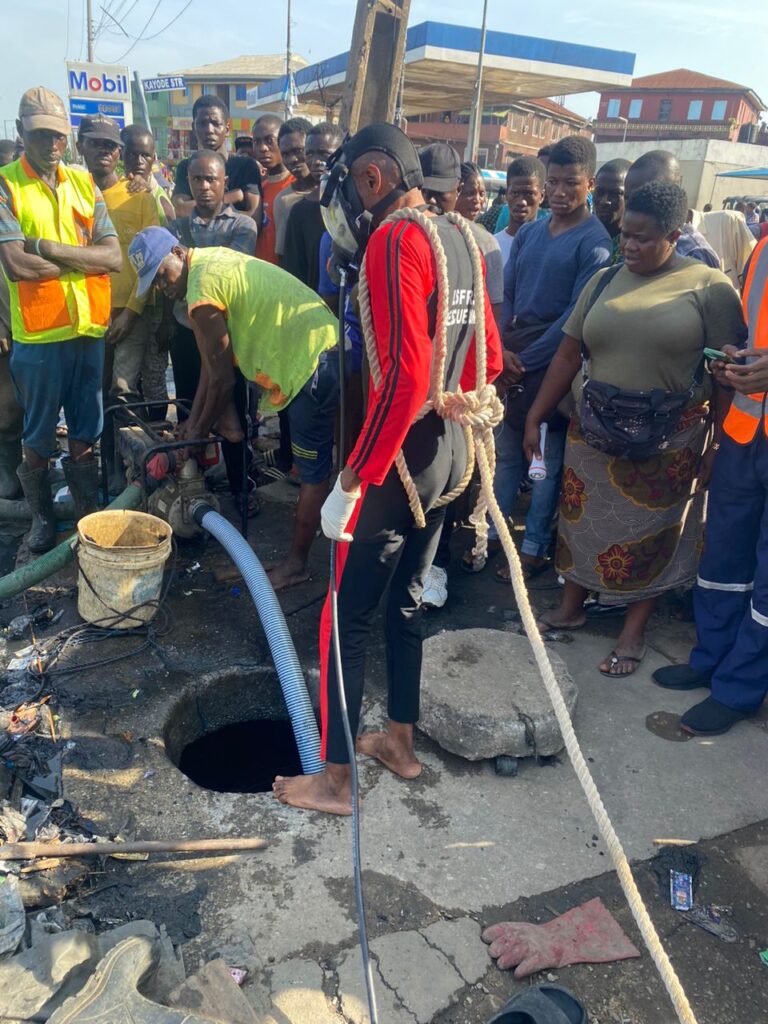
(378, 172)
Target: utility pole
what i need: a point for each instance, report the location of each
(476, 117)
(289, 84)
(89, 28)
(375, 60)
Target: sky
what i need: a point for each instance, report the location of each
(723, 39)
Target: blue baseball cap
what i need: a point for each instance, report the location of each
(146, 252)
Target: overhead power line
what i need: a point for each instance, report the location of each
(141, 37)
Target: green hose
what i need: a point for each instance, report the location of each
(49, 563)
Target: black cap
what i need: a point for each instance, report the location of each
(97, 126)
(440, 166)
(386, 138)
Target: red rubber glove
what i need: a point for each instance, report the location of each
(588, 934)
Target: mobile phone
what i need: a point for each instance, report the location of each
(715, 353)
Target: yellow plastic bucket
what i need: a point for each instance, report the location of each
(121, 556)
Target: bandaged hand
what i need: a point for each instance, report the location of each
(337, 511)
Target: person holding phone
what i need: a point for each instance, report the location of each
(731, 594)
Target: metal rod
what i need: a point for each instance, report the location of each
(142, 99)
(31, 851)
(288, 89)
(476, 118)
(89, 29)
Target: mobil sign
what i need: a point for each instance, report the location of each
(98, 81)
(108, 82)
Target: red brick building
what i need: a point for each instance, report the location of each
(680, 104)
(522, 128)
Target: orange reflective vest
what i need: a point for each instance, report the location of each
(747, 411)
(74, 304)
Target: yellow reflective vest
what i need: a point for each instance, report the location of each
(75, 304)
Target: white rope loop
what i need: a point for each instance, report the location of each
(478, 412)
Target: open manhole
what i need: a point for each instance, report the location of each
(230, 731)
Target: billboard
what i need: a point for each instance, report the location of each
(99, 89)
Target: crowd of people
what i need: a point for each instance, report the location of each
(627, 337)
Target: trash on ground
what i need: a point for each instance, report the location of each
(12, 918)
(679, 859)
(710, 919)
(680, 890)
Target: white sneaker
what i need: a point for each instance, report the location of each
(435, 592)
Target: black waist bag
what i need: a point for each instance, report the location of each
(629, 424)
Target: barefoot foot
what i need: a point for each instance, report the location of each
(396, 756)
(314, 793)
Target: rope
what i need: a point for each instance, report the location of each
(478, 412)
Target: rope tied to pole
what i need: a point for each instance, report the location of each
(478, 412)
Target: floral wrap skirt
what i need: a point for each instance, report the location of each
(632, 529)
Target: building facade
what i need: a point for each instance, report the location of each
(521, 129)
(170, 113)
(680, 104)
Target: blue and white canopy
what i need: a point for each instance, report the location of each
(441, 66)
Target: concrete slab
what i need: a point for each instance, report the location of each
(464, 673)
(421, 977)
(297, 995)
(460, 941)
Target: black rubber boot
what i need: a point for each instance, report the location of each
(10, 460)
(681, 677)
(37, 490)
(83, 482)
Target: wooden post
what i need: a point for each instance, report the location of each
(375, 63)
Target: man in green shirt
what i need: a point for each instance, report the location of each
(280, 335)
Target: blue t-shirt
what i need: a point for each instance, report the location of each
(544, 276)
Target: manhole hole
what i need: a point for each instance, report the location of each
(230, 731)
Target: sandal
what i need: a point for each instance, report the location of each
(542, 1004)
(615, 659)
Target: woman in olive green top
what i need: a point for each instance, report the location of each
(631, 529)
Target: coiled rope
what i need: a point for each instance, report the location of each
(478, 412)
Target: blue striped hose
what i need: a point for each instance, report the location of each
(275, 627)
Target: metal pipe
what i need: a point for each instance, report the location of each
(142, 99)
(476, 118)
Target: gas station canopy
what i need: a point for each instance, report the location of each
(441, 67)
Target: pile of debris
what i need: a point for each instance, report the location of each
(67, 973)
(60, 961)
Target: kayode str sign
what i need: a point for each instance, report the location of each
(164, 84)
